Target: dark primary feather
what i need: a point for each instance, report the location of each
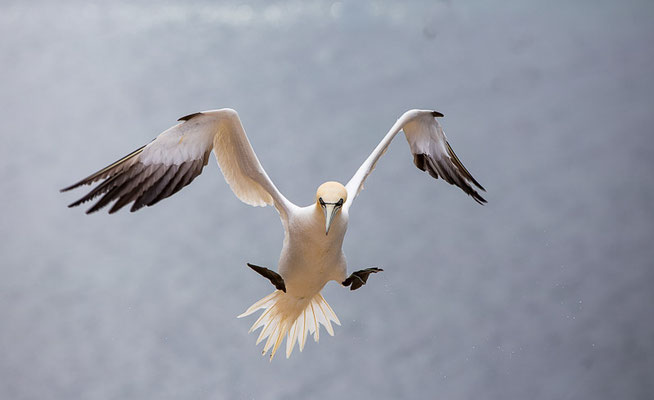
(129, 180)
(463, 169)
(106, 171)
(451, 170)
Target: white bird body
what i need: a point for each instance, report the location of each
(309, 258)
(312, 252)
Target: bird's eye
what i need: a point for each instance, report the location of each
(340, 202)
(320, 200)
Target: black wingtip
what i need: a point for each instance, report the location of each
(482, 201)
(437, 114)
(187, 117)
(75, 203)
(73, 186)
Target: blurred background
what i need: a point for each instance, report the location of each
(545, 293)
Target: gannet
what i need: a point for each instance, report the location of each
(312, 252)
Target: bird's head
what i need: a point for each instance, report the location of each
(330, 196)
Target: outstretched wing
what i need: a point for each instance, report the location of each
(178, 155)
(431, 153)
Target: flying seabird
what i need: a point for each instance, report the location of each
(312, 252)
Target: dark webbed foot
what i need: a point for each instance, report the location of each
(359, 278)
(273, 276)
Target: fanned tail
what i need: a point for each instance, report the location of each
(291, 316)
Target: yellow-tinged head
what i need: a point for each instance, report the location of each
(330, 196)
(331, 192)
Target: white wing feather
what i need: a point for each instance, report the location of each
(177, 156)
(241, 167)
(431, 151)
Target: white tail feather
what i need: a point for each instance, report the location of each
(294, 317)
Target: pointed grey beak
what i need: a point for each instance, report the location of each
(330, 210)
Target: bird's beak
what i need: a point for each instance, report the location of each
(330, 211)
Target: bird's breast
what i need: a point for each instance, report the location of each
(309, 258)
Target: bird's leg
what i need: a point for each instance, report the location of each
(273, 276)
(359, 278)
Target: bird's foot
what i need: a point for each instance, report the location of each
(359, 278)
(273, 276)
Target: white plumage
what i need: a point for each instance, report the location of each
(312, 252)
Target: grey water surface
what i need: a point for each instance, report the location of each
(544, 293)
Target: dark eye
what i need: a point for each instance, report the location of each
(322, 203)
(340, 202)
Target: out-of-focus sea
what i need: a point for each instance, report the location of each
(545, 293)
